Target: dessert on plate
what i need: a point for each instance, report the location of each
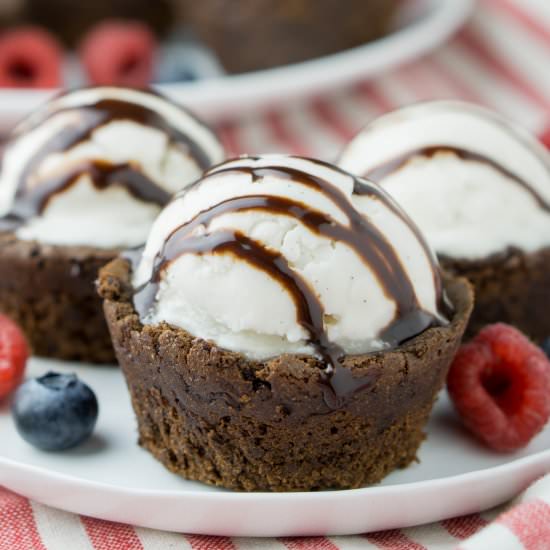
(286, 328)
(81, 179)
(479, 189)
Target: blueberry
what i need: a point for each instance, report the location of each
(54, 412)
(546, 346)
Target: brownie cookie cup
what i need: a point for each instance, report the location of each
(81, 179)
(286, 329)
(479, 189)
(258, 34)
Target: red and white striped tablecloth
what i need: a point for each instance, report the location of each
(500, 59)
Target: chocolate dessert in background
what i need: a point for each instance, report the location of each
(478, 187)
(248, 35)
(83, 178)
(70, 20)
(11, 13)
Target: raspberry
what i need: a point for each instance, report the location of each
(500, 385)
(13, 355)
(29, 58)
(120, 53)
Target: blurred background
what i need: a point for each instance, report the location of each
(283, 75)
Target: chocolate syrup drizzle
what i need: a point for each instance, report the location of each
(378, 173)
(361, 235)
(102, 175)
(30, 201)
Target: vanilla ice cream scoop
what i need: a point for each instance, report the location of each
(277, 254)
(475, 184)
(95, 166)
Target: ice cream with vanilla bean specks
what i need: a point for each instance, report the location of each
(95, 166)
(478, 186)
(319, 249)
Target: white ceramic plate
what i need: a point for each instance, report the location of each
(110, 477)
(422, 26)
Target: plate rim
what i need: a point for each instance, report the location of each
(220, 493)
(193, 508)
(250, 92)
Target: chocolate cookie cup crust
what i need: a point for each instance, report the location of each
(50, 292)
(512, 287)
(215, 416)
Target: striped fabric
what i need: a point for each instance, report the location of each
(525, 525)
(501, 59)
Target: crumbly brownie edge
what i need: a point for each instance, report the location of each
(50, 292)
(214, 416)
(512, 288)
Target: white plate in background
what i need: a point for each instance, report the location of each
(110, 477)
(422, 26)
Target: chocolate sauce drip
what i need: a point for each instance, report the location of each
(88, 119)
(368, 242)
(378, 173)
(322, 224)
(309, 310)
(361, 187)
(102, 175)
(362, 236)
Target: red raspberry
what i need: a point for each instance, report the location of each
(500, 385)
(545, 138)
(29, 58)
(120, 53)
(13, 355)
